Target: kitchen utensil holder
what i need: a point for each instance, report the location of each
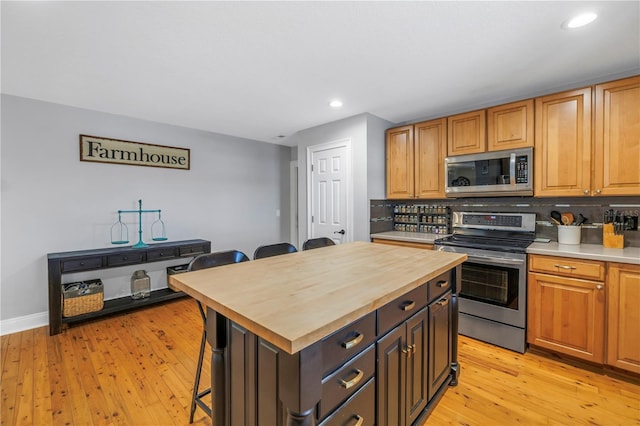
(569, 234)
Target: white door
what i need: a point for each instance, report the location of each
(330, 191)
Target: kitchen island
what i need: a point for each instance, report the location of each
(325, 335)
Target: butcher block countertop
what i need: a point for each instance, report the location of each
(297, 299)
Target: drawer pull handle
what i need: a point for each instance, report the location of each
(359, 420)
(351, 343)
(351, 383)
(565, 267)
(407, 306)
(443, 302)
(442, 284)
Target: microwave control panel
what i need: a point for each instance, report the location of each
(522, 169)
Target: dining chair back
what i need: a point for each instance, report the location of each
(314, 243)
(273, 250)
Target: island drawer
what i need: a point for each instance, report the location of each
(357, 410)
(569, 267)
(346, 342)
(340, 385)
(398, 310)
(439, 286)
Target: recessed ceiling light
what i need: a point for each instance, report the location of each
(580, 20)
(337, 103)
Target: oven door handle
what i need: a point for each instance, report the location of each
(479, 259)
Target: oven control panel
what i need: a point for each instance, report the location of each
(518, 222)
(492, 219)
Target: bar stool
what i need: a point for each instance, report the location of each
(203, 261)
(273, 250)
(314, 243)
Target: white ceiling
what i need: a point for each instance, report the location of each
(262, 69)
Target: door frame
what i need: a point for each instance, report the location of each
(293, 203)
(339, 143)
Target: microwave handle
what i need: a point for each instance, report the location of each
(512, 169)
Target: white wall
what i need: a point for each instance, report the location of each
(53, 202)
(366, 133)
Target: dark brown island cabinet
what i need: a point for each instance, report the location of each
(389, 367)
(104, 258)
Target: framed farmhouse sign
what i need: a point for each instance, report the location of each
(115, 151)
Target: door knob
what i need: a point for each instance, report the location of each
(342, 231)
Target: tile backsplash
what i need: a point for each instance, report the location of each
(593, 208)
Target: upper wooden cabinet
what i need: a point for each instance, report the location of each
(415, 160)
(430, 152)
(510, 126)
(562, 154)
(617, 138)
(400, 160)
(467, 133)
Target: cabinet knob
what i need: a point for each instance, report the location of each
(586, 192)
(598, 191)
(599, 286)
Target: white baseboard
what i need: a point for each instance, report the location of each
(27, 322)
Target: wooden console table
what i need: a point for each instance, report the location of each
(89, 260)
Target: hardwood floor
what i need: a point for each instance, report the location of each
(138, 369)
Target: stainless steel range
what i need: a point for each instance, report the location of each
(494, 278)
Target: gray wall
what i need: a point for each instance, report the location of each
(366, 133)
(53, 202)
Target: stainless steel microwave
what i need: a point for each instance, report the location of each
(490, 174)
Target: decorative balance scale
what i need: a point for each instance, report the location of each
(140, 281)
(120, 231)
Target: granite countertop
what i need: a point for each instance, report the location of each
(587, 251)
(413, 237)
(297, 299)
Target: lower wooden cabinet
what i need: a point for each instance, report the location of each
(402, 371)
(566, 314)
(585, 308)
(623, 316)
(439, 354)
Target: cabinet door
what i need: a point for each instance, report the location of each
(466, 133)
(623, 345)
(439, 353)
(400, 162)
(562, 154)
(417, 393)
(391, 377)
(430, 151)
(617, 138)
(510, 126)
(566, 315)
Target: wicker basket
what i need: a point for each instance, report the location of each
(173, 270)
(82, 297)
